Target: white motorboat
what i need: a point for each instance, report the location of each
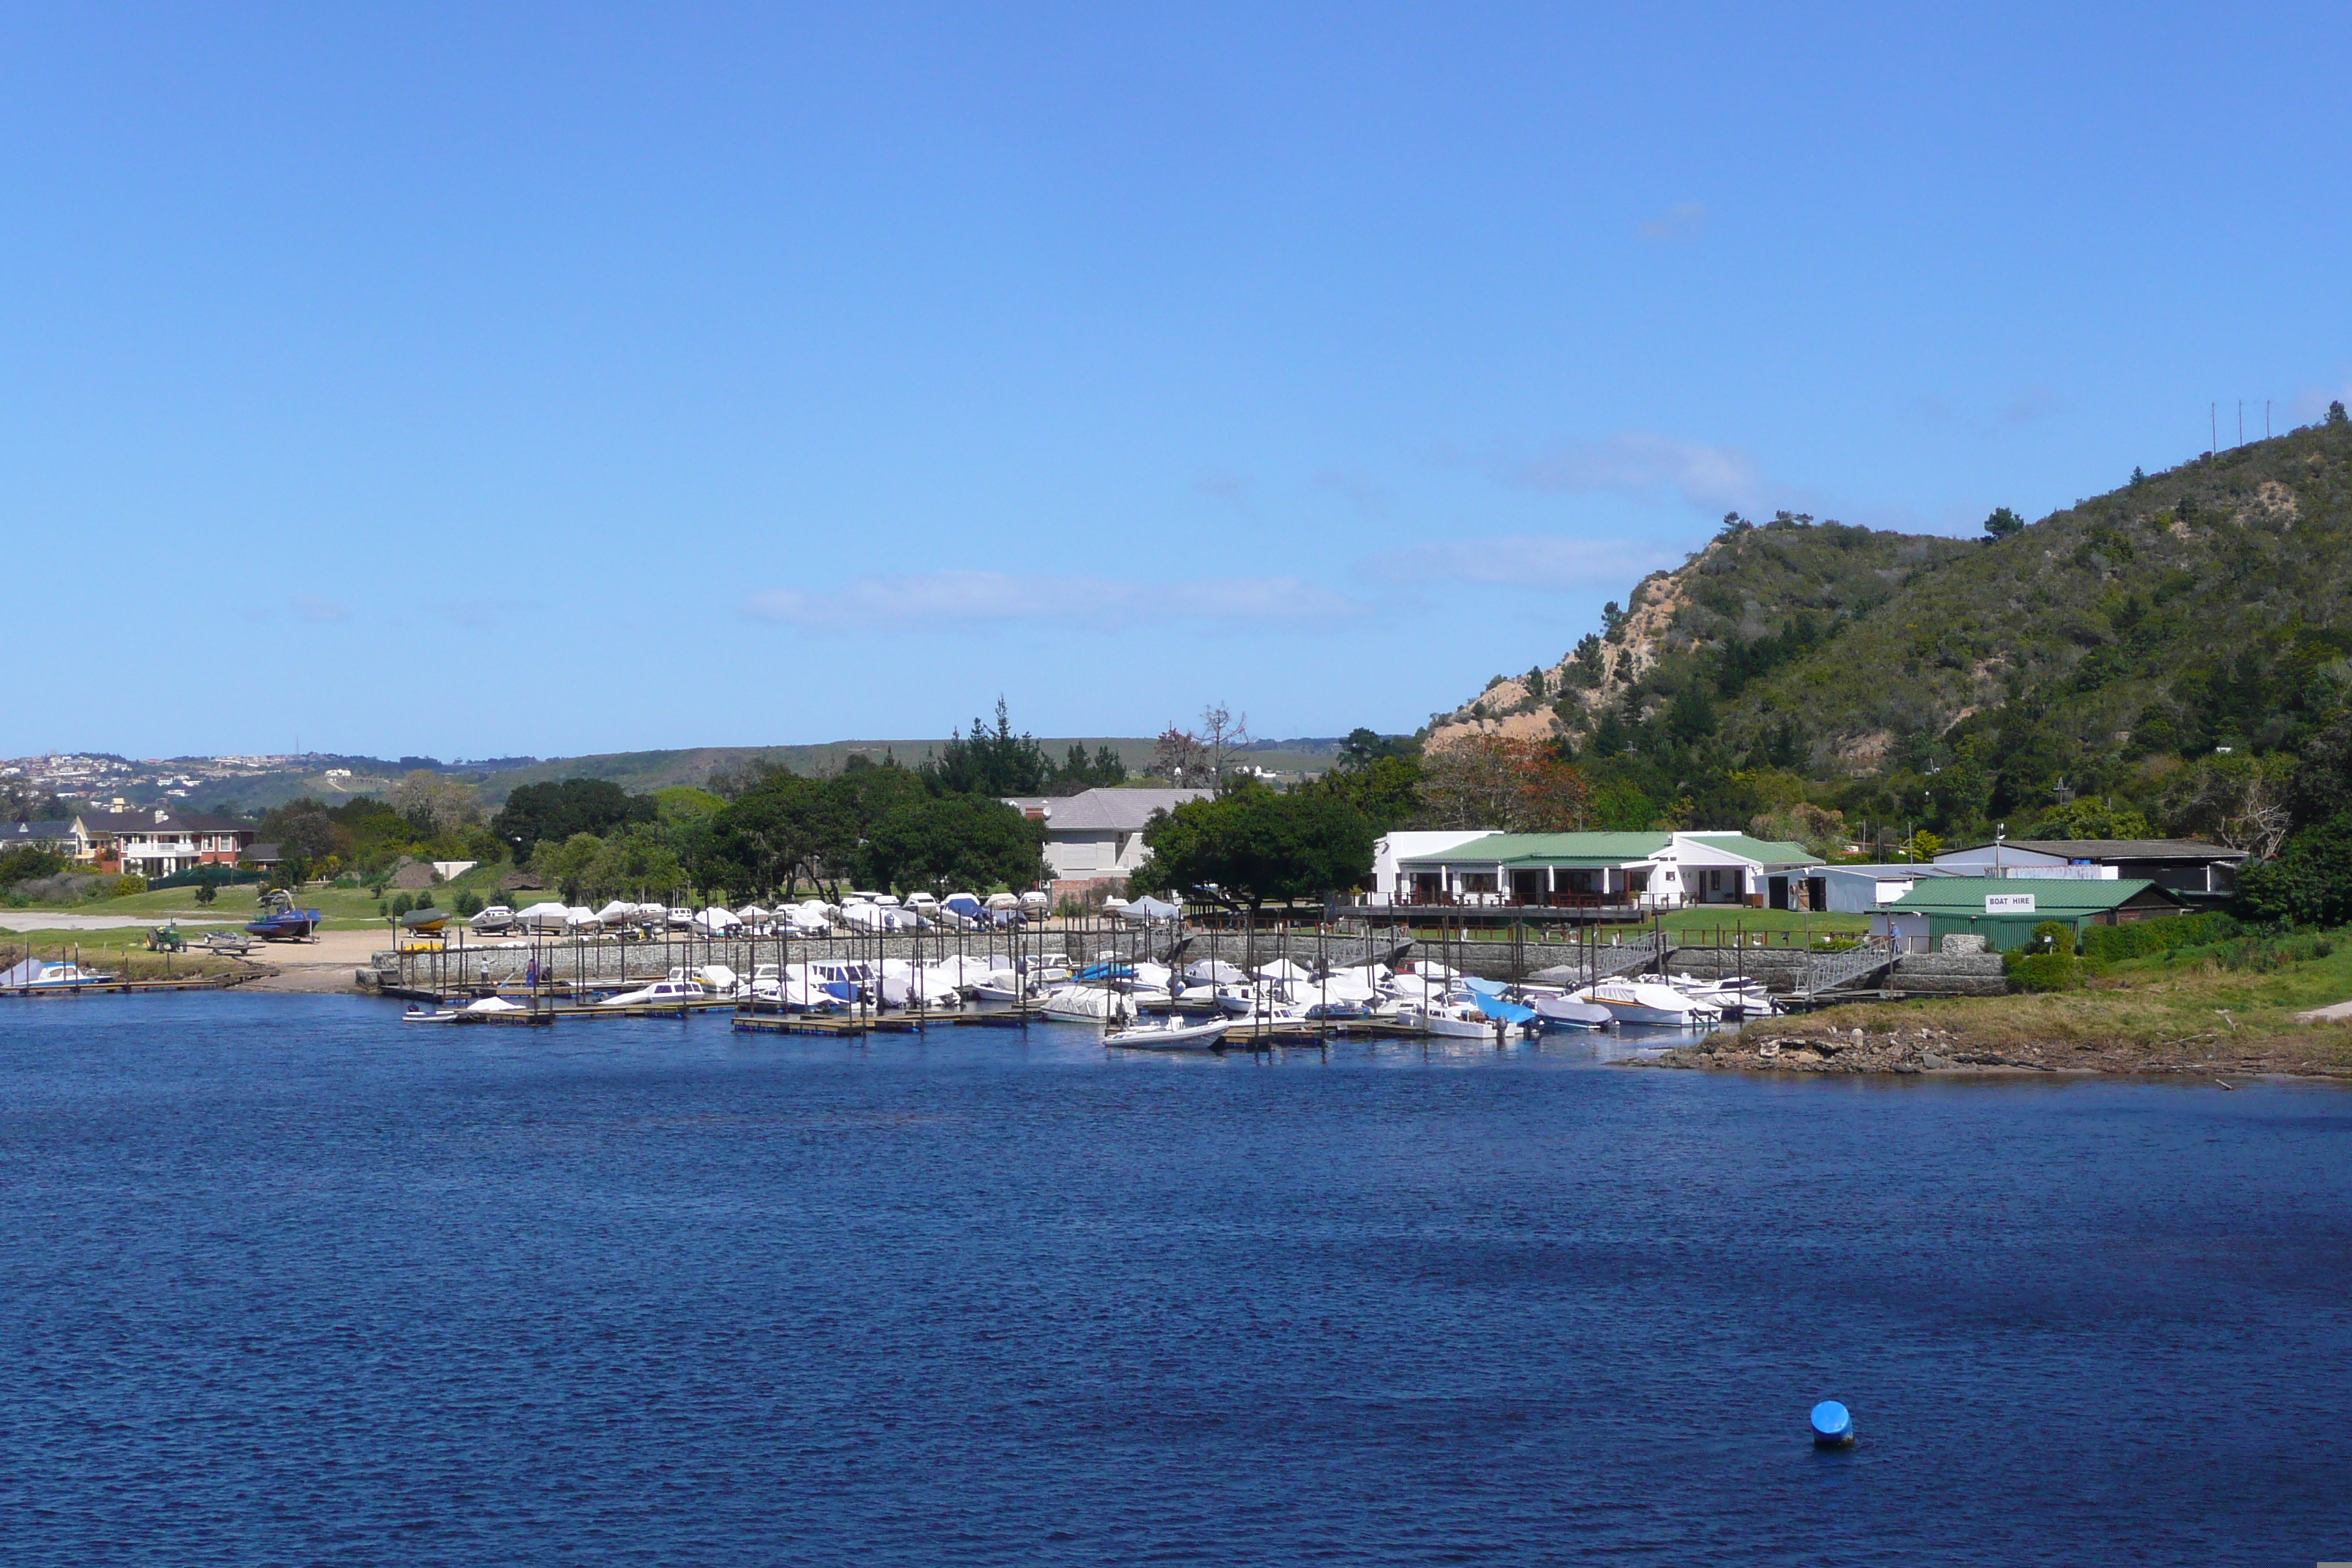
(1648, 1002)
(419, 1014)
(1172, 1036)
(618, 915)
(543, 917)
(661, 993)
(493, 920)
(1735, 996)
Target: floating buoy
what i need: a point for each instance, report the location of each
(1832, 1426)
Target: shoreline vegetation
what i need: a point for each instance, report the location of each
(2242, 1006)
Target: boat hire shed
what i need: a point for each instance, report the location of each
(1584, 870)
(2005, 909)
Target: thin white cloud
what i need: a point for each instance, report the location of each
(1521, 560)
(1683, 220)
(1369, 498)
(978, 598)
(1231, 489)
(2030, 403)
(311, 607)
(476, 614)
(1707, 476)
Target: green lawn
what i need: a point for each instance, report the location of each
(345, 909)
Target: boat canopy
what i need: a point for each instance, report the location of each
(1495, 1008)
(1148, 908)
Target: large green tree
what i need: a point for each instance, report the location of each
(943, 843)
(1255, 846)
(558, 811)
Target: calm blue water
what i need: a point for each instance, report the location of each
(287, 1281)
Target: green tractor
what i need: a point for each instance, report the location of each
(166, 939)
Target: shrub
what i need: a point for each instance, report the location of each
(2309, 883)
(423, 901)
(2040, 971)
(126, 885)
(401, 905)
(2145, 939)
(468, 904)
(22, 865)
(2052, 936)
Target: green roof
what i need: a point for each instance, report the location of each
(1771, 851)
(2051, 895)
(1548, 849)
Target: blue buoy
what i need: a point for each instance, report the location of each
(1832, 1425)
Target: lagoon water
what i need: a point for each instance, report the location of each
(287, 1281)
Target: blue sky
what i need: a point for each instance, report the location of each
(473, 380)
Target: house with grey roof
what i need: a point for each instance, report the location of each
(1097, 836)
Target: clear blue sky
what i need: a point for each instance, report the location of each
(481, 380)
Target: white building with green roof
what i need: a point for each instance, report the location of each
(1656, 870)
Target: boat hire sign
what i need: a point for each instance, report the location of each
(2008, 904)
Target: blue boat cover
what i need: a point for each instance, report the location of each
(1495, 1008)
(1484, 987)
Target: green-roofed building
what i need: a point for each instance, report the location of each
(2005, 909)
(1618, 872)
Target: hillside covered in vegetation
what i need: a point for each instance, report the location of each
(2159, 657)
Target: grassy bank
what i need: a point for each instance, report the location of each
(2229, 1007)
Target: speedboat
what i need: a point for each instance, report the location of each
(1171, 1036)
(497, 917)
(1647, 1002)
(283, 922)
(419, 1014)
(548, 916)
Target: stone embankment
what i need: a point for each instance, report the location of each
(1814, 1045)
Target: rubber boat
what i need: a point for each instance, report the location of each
(1171, 1036)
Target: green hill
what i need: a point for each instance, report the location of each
(2204, 611)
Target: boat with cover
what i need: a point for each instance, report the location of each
(1085, 1004)
(1171, 1036)
(1647, 1002)
(497, 919)
(1554, 1014)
